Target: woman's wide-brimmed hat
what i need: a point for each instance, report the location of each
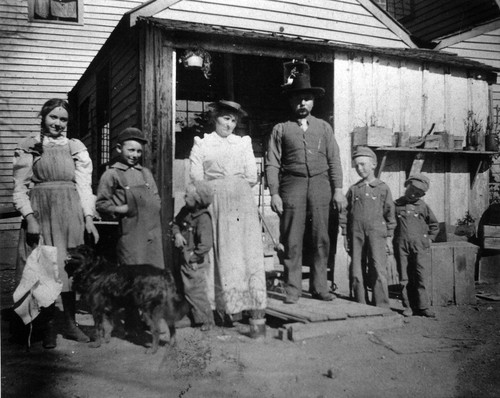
(228, 106)
(297, 78)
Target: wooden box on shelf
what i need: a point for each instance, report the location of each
(372, 136)
(433, 141)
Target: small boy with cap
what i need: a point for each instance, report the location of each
(368, 225)
(128, 193)
(193, 237)
(416, 228)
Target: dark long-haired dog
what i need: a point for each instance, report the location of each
(108, 288)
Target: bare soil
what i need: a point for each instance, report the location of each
(455, 355)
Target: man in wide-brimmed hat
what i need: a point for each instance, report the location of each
(303, 169)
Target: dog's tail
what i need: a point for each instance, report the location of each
(181, 307)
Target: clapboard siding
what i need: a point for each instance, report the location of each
(42, 60)
(125, 98)
(432, 19)
(347, 22)
(484, 48)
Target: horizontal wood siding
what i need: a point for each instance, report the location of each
(409, 96)
(338, 21)
(42, 60)
(125, 98)
(432, 19)
(484, 48)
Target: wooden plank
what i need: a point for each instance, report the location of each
(434, 91)
(492, 231)
(418, 162)
(411, 98)
(491, 243)
(296, 310)
(299, 331)
(313, 309)
(284, 317)
(363, 97)
(442, 278)
(464, 262)
(488, 296)
(387, 111)
(334, 310)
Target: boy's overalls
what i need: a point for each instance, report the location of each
(370, 219)
(196, 228)
(417, 227)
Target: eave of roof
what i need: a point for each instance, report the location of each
(422, 55)
(472, 32)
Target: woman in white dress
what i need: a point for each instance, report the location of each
(236, 278)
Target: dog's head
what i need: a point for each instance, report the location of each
(80, 263)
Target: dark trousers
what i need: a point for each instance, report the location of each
(369, 261)
(413, 260)
(305, 197)
(195, 291)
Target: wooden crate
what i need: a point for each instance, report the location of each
(372, 136)
(489, 267)
(491, 237)
(452, 273)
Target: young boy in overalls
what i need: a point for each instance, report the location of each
(127, 192)
(192, 231)
(416, 228)
(368, 225)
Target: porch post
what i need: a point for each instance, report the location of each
(157, 114)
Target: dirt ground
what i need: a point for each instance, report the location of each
(455, 355)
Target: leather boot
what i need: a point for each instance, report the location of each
(49, 334)
(71, 330)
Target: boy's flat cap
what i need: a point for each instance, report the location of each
(363, 151)
(132, 133)
(418, 181)
(204, 192)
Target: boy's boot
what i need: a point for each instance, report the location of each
(49, 334)
(71, 330)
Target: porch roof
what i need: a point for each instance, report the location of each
(194, 30)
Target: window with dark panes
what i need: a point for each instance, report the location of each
(56, 11)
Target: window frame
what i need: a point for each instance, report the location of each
(79, 21)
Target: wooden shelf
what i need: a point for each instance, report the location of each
(427, 150)
(418, 156)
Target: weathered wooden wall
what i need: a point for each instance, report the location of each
(408, 96)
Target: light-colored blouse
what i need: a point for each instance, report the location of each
(23, 173)
(214, 157)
